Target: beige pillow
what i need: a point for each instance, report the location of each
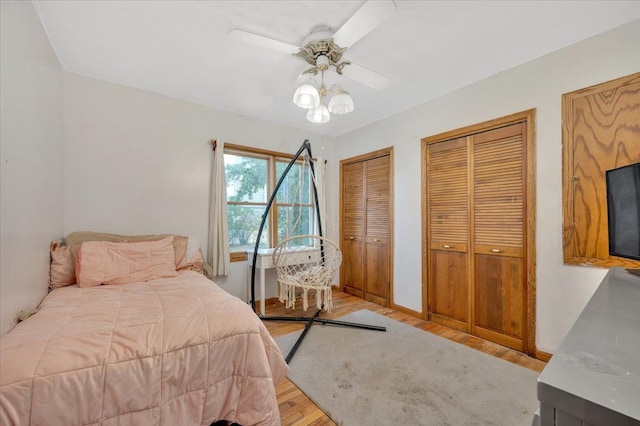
(77, 238)
(62, 270)
(180, 247)
(102, 262)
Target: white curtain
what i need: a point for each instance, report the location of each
(320, 169)
(218, 247)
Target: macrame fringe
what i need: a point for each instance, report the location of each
(287, 295)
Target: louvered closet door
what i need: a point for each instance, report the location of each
(353, 214)
(498, 215)
(448, 227)
(377, 283)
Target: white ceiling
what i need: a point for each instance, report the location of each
(183, 49)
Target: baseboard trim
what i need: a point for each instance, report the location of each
(407, 311)
(543, 356)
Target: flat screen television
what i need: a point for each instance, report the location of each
(623, 207)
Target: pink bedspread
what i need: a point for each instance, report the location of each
(172, 351)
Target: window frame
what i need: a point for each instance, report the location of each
(272, 157)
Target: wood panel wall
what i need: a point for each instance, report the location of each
(601, 131)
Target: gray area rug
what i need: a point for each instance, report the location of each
(407, 376)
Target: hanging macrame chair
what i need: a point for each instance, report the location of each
(306, 266)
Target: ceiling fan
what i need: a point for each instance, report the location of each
(323, 48)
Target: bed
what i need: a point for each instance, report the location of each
(174, 350)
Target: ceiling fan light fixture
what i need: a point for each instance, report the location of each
(341, 103)
(307, 96)
(323, 50)
(319, 115)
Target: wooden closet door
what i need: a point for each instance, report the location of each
(377, 195)
(353, 214)
(499, 308)
(448, 229)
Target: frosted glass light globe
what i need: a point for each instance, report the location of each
(306, 96)
(341, 103)
(318, 115)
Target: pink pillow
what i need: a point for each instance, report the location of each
(102, 262)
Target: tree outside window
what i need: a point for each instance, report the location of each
(293, 201)
(251, 178)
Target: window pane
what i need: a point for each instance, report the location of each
(246, 178)
(244, 223)
(294, 188)
(294, 220)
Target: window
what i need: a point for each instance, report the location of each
(247, 187)
(251, 178)
(293, 205)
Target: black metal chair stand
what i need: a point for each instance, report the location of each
(309, 321)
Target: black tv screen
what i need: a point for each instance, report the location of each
(623, 206)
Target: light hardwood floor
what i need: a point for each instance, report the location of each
(296, 409)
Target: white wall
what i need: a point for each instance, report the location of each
(138, 162)
(562, 291)
(31, 208)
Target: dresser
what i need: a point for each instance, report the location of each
(594, 376)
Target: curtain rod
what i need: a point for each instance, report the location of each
(214, 144)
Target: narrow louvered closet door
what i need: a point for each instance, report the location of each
(448, 229)
(498, 235)
(353, 213)
(366, 226)
(377, 192)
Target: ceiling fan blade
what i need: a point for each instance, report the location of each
(268, 43)
(370, 15)
(366, 76)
